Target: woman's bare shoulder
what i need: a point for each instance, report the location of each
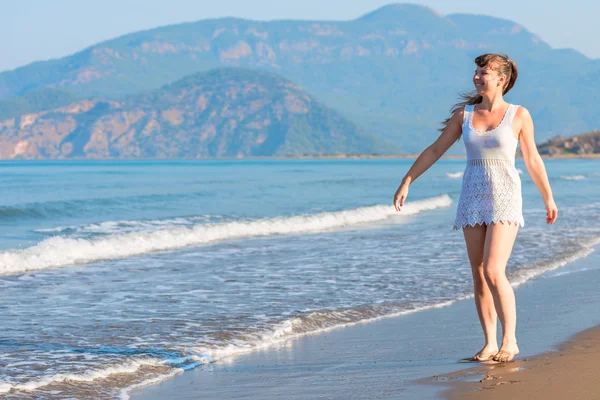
(459, 113)
(522, 113)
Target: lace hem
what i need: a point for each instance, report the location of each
(489, 222)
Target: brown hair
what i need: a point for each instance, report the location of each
(499, 63)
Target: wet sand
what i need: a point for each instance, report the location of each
(568, 373)
(397, 357)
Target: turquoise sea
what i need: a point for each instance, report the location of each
(119, 274)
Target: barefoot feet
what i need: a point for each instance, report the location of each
(486, 353)
(507, 352)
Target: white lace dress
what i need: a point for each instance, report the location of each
(491, 186)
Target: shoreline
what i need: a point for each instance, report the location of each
(395, 357)
(410, 156)
(566, 373)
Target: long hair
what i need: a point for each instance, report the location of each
(499, 63)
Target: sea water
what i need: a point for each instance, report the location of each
(119, 274)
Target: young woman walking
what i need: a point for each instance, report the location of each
(490, 206)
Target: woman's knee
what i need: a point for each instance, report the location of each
(479, 281)
(493, 276)
(480, 288)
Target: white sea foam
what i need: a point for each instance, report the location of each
(525, 275)
(129, 366)
(572, 177)
(60, 251)
(520, 171)
(119, 227)
(563, 273)
(279, 334)
(124, 393)
(292, 329)
(454, 175)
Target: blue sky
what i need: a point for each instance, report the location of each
(35, 30)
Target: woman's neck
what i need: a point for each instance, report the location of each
(492, 103)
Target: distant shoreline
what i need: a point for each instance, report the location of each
(306, 157)
(402, 156)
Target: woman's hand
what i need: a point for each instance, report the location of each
(551, 211)
(400, 196)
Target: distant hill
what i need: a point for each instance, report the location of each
(395, 71)
(581, 145)
(36, 100)
(223, 112)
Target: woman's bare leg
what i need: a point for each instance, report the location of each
(484, 302)
(499, 241)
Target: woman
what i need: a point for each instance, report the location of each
(489, 209)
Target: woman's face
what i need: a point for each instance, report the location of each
(486, 80)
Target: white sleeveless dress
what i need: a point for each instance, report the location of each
(491, 186)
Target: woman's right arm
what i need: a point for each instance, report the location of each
(430, 155)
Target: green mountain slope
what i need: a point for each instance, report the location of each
(36, 100)
(223, 112)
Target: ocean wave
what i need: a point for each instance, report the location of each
(124, 393)
(149, 370)
(572, 177)
(323, 320)
(39, 210)
(317, 321)
(125, 226)
(129, 366)
(454, 175)
(310, 324)
(60, 251)
(326, 320)
(559, 260)
(49, 209)
(562, 273)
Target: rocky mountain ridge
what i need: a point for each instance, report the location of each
(395, 71)
(580, 145)
(223, 112)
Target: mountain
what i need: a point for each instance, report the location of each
(395, 71)
(223, 112)
(581, 145)
(36, 100)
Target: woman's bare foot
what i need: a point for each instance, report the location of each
(506, 353)
(486, 353)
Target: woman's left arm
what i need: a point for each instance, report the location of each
(535, 165)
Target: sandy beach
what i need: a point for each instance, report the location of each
(568, 373)
(415, 355)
